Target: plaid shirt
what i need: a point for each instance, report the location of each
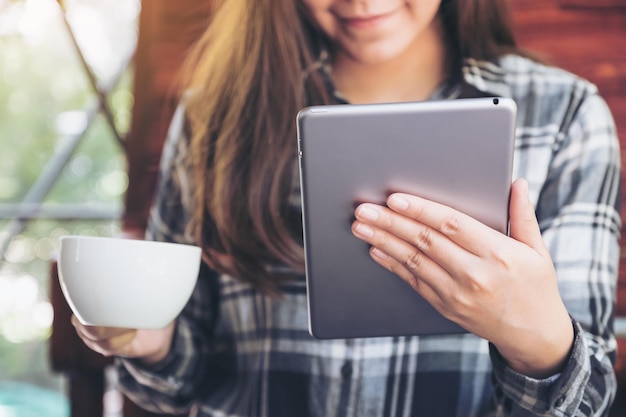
(240, 353)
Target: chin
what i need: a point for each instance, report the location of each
(376, 55)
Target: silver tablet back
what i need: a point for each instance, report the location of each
(457, 152)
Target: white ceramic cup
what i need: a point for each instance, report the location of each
(126, 283)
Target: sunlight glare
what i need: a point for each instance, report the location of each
(36, 20)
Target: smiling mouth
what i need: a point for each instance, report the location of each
(366, 22)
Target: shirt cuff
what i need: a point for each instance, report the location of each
(168, 374)
(557, 395)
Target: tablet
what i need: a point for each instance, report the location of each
(456, 152)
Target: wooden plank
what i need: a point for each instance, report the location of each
(594, 4)
(166, 31)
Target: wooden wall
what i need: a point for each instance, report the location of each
(166, 31)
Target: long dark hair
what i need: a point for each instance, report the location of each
(245, 82)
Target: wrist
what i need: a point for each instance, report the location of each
(163, 347)
(540, 355)
(154, 358)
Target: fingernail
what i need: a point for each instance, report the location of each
(524, 185)
(399, 203)
(379, 254)
(367, 213)
(364, 230)
(525, 189)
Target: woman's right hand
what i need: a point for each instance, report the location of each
(149, 346)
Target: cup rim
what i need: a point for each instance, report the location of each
(124, 239)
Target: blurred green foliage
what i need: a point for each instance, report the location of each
(43, 93)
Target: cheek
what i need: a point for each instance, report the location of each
(320, 12)
(423, 11)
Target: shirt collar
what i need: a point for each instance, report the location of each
(488, 77)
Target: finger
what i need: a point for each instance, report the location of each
(105, 340)
(462, 229)
(97, 333)
(421, 238)
(402, 257)
(523, 222)
(421, 286)
(116, 346)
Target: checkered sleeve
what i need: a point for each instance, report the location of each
(579, 217)
(171, 385)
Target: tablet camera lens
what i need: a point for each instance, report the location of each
(496, 101)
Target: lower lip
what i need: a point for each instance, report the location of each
(367, 23)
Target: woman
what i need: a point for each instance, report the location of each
(538, 304)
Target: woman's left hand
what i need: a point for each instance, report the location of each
(501, 288)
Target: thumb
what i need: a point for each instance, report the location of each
(522, 220)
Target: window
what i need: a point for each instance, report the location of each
(62, 166)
